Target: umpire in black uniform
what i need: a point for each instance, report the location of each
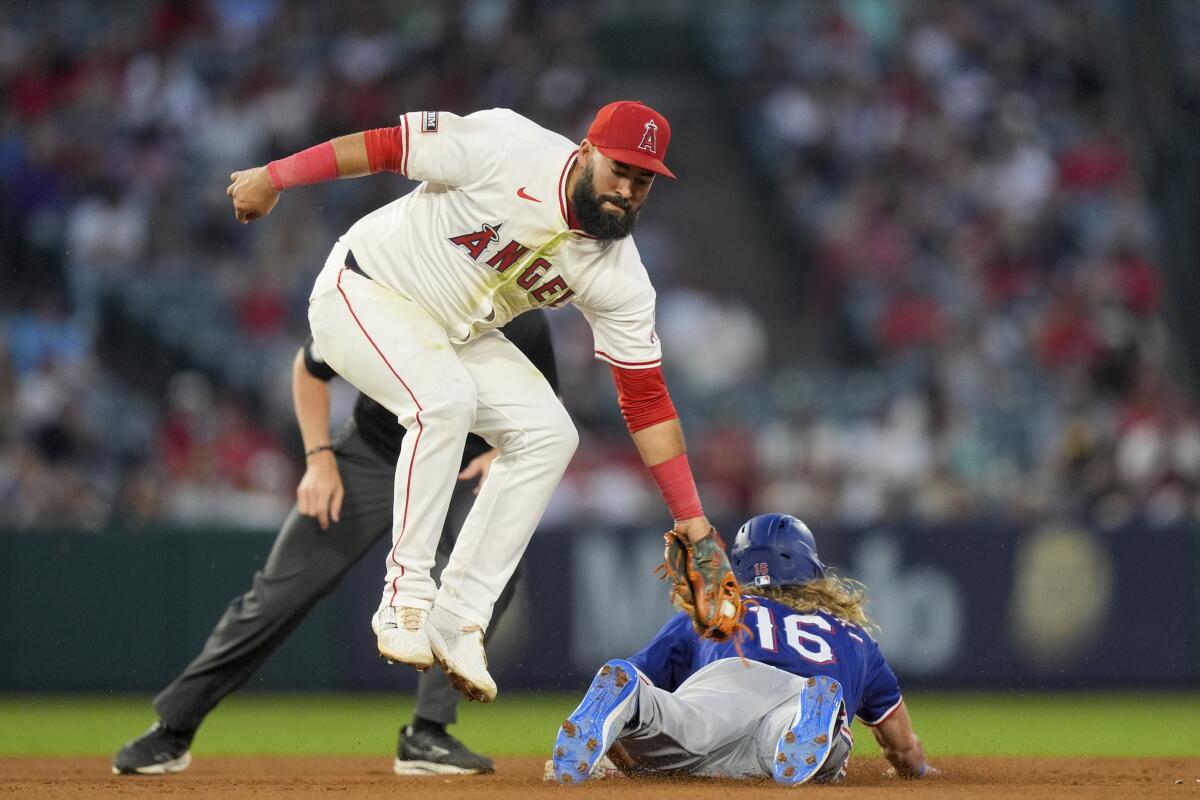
(344, 505)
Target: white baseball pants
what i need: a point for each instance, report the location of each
(724, 721)
(393, 351)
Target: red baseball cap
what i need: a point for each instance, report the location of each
(633, 133)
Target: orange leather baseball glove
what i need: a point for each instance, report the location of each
(703, 584)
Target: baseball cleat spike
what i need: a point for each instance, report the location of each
(607, 707)
(806, 746)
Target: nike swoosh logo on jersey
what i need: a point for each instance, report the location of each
(521, 194)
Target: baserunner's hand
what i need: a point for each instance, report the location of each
(253, 194)
(320, 491)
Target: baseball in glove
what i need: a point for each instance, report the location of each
(703, 584)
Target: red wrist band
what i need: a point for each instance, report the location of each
(678, 487)
(314, 165)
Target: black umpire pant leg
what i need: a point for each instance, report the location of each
(305, 564)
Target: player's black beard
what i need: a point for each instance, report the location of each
(604, 225)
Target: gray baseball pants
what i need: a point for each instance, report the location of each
(306, 564)
(722, 722)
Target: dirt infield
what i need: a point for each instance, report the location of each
(325, 777)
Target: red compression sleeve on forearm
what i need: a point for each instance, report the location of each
(642, 395)
(644, 400)
(678, 487)
(385, 149)
(314, 165)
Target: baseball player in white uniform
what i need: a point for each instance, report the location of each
(508, 217)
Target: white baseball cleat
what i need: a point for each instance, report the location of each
(401, 636)
(458, 648)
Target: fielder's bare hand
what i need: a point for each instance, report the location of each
(253, 194)
(695, 529)
(320, 491)
(479, 466)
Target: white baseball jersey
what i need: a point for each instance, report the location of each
(485, 236)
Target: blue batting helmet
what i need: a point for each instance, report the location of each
(775, 550)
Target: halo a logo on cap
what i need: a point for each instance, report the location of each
(762, 574)
(649, 138)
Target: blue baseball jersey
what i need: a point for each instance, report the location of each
(809, 644)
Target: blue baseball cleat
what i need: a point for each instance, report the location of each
(610, 702)
(805, 747)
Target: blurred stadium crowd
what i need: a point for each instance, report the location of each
(982, 325)
(983, 258)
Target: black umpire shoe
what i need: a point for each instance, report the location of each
(158, 751)
(426, 752)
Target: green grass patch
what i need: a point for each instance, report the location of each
(1103, 724)
(1047, 724)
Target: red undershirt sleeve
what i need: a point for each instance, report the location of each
(385, 149)
(643, 397)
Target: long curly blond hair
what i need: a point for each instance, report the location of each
(840, 597)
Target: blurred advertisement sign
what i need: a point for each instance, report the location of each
(989, 604)
(986, 604)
